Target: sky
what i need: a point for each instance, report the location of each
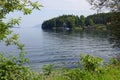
(54, 8)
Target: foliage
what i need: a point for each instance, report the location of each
(101, 18)
(112, 5)
(65, 21)
(7, 6)
(91, 63)
(114, 30)
(82, 19)
(12, 67)
(48, 69)
(74, 22)
(92, 69)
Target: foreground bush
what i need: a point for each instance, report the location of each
(89, 68)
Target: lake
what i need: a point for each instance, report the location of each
(61, 48)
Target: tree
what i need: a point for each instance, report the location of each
(61, 22)
(82, 18)
(70, 23)
(11, 68)
(7, 6)
(114, 29)
(91, 22)
(112, 5)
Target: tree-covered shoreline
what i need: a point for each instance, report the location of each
(72, 22)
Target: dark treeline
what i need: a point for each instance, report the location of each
(72, 22)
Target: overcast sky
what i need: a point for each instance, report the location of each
(54, 8)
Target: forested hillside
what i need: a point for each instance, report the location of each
(72, 22)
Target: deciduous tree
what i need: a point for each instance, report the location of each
(11, 68)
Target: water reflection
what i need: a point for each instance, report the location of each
(62, 48)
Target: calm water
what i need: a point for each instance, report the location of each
(64, 48)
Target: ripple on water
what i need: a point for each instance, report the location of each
(61, 48)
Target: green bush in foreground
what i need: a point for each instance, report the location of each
(91, 68)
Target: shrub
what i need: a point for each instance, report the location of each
(91, 63)
(47, 70)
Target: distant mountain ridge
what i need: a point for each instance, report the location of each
(38, 25)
